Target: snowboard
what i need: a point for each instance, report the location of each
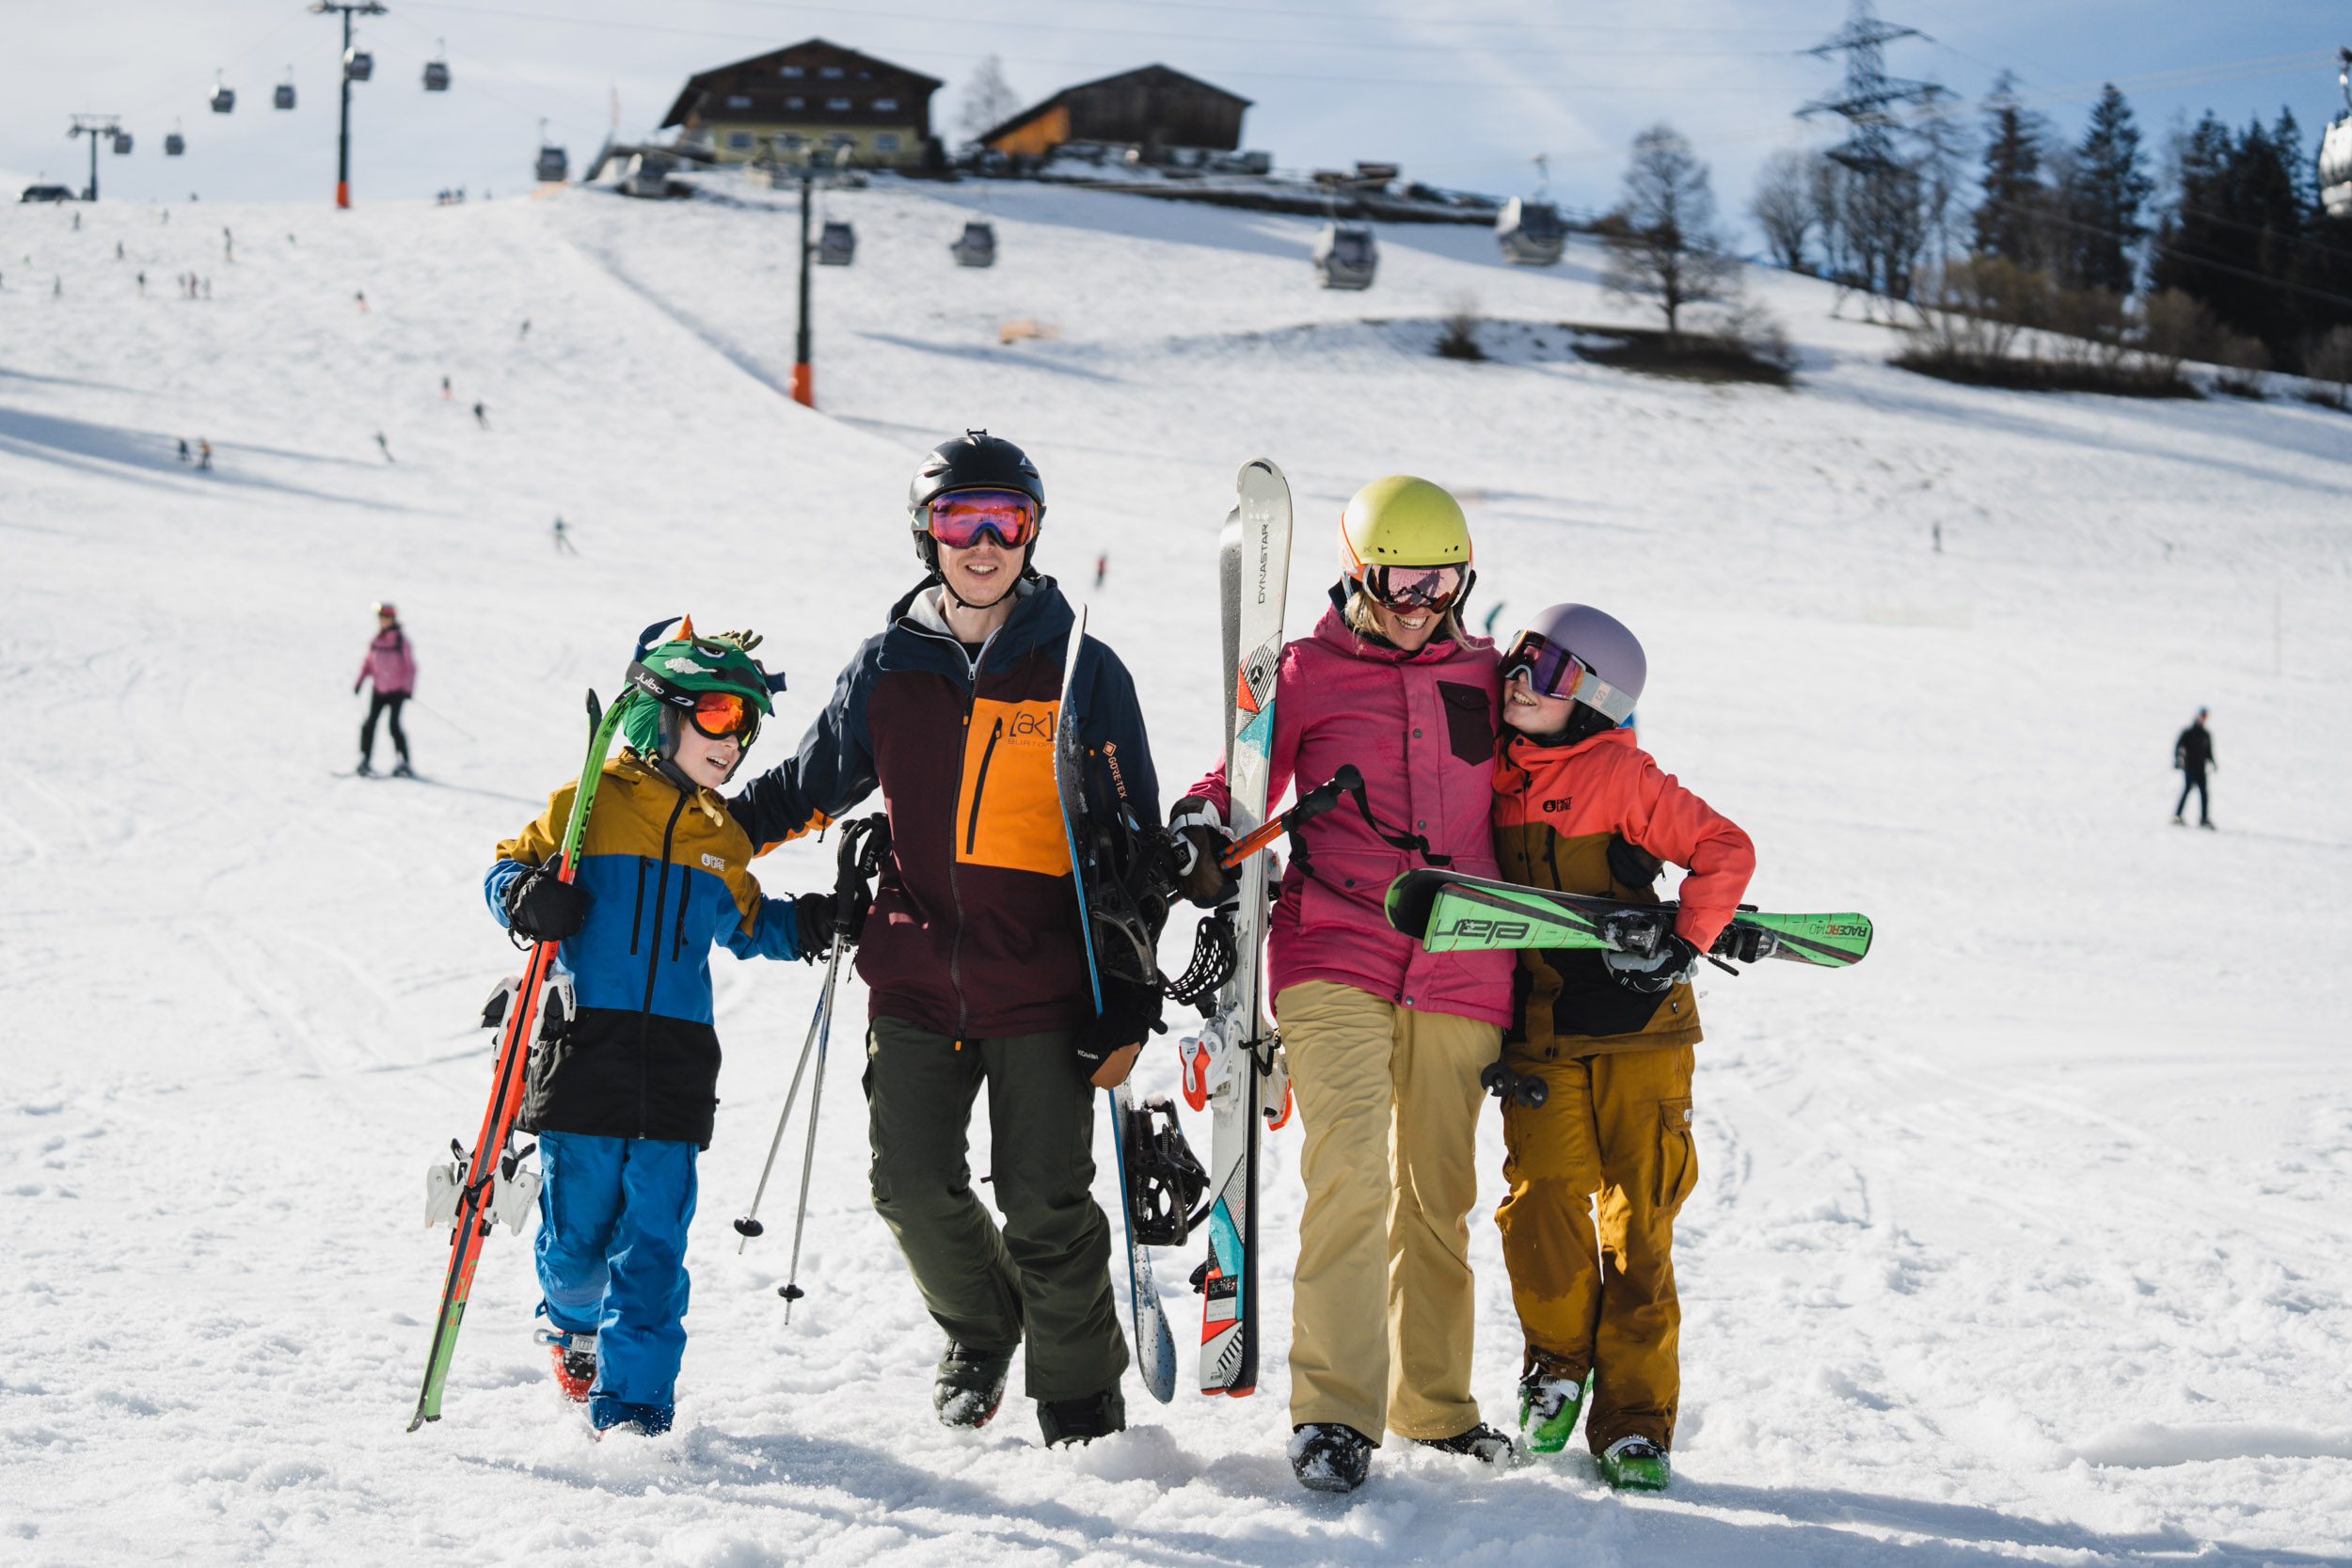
(1154, 1341)
(1234, 1059)
(1448, 912)
(470, 1192)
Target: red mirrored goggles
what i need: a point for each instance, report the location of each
(1438, 588)
(1551, 671)
(718, 715)
(962, 518)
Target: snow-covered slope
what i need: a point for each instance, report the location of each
(2026, 1240)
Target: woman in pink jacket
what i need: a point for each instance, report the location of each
(1386, 1042)
(391, 664)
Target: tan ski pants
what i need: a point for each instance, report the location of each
(1388, 1101)
(1596, 1177)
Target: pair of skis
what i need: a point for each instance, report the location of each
(1232, 1065)
(472, 1190)
(1447, 911)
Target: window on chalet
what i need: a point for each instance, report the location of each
(886, 141)
(740, 141)
(737, 100)
(794, 73)
(836, 105)
(796, 102)
(830, 73)
(885, 105)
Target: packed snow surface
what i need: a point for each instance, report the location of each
(2027, 1240)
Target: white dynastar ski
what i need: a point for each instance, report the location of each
(1234, 1057)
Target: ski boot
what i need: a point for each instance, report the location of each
(574, 1357)
(605, 1414)
(1636, 1464)
(402, 771)
(1481, 1443)
(1550, 1404)
(970, 1385)
(366, 768)
(1083, 1420)
(1328, 1457)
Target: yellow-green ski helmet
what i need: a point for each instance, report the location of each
(1401, 521)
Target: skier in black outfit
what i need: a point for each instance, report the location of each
(2192, 753)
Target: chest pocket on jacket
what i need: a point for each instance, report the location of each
(1009, 813)
(1469, 721)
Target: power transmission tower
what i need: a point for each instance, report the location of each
(1868, 96)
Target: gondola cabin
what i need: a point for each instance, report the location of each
(359, 65)
(837, 246)
(1529, 232)
(554, 166)
(436, 76)
(284, 97)
(123, 143)
(977, 246)
(174, 144)
(1346, 256)
(224, 99)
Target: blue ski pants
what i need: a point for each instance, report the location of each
(611, 1251)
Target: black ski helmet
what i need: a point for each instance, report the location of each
(973, 461)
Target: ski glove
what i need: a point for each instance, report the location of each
(1199, 850)
(812, 923)
(1107, 1044)
(1657, 974)
(545, 908)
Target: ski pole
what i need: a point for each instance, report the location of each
(790, 1290)
(1305, 810)
(749, 1225)
(445, 718)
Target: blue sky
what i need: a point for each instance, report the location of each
(1461, 95)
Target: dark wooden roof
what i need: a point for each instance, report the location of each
(810, 51)
(1167, 74)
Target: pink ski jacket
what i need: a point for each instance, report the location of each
(1420, 728)
(390, 661)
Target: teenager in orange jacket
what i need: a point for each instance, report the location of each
(1599, 1171)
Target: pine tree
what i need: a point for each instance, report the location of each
(2008, 216)
(2107, 202)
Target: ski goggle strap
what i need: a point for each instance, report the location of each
(1417, 587)
(960, 519)
(1551, 671)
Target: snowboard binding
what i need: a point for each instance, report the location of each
(1165, 1179)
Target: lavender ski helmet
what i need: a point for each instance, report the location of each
(1575, 651)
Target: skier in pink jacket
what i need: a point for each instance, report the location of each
(390, 661)
(1386, 1041)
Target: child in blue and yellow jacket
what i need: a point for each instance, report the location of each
(623, 1099)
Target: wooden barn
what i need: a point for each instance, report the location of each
(814, 94)
(1153, 107)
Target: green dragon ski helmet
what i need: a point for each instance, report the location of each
(677, 670)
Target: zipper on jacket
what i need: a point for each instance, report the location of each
(637, 915)
(677, 936)
(980, 786)
(653, 970)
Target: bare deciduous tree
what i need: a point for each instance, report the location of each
(1663, 244)
(989, 100)
(1783, 209)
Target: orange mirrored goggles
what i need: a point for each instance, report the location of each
(718, 715)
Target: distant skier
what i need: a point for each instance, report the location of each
(526, 331)
(117, 250)
(2192, 753)
(973, 955)
(383, 446)
(228, 245)
(184, 449)
(1101, 568)
(203, 454)
(624, 1107)
(142, 285)
(56, 286)
(563, 545)
(481, 416)
(445, 391)
(1386, 1042)
(361, 296)
(1579, 807)
(390, 663)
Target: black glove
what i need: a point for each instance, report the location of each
(545, 908)
(1743, 942)
(813, 915)
(1657, 974)
(1129, 1015)
(1199, 851)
